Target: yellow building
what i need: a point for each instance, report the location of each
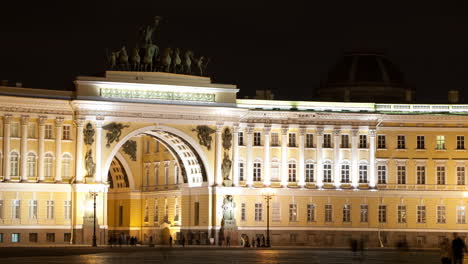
(176, 155)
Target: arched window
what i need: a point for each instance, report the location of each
(292, 171)
(14, 164)
(345, 173)
(66, 161)
(257, 170)
(327, 176)
(363, 173)
(176, 174)
(48, 162)
(275, 175)
(166, 173)
(31, 163)
(309, 171)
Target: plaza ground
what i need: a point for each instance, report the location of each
(207, 255)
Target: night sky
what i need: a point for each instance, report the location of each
(287, 48)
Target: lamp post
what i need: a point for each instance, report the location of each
(94, 195)
(268, 193)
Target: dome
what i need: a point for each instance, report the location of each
(364, 77)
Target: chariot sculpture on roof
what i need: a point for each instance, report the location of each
(147, 56)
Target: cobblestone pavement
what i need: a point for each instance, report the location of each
(208, 256)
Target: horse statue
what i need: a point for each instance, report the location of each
(165, 60)
(135, 59)
(176, 61)
(112, 59)
(151, 51)
(187, 62)
(123, 58)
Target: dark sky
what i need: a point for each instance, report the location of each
(288, 47)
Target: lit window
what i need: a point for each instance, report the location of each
(461, 215)
(309, 140)
(292, 212)
(327, 177)
(346, 213)
(362, 141)
(461, 175)
(292, 140)
(14, 172)
(15, 209)
(344, 141)
(421, 214)
(257, 139)
(257, 171)
(31, 165)
(66, 165)
(292, 171)
(382, 174)
(50, 209)
(460, 142)
(345, 173)
(401, 174)
(441, 214)
(310, 213)
(258, 212)
(382, 213)
(420, 175)
(31, 130)
(309, 172)
(363, 173)
(15, 237)
(381, 142)
(327, 141)
(364, 213)
(401, 214)
(328, 213)
(48, 131)
(66, 132)
(401, 143)
(440, 142)
(440, 175)
(274, 139)
(33, 209)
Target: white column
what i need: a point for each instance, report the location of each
(79, 150)
(249, 163)
(266, 158)
(235, 156)
(6, 146)
(98, 176)
(319, 158)
(302, 131)
(284, 156)
(354, 157)
(219, 156)
(372, 179)
(58, 148)
(24, 147)
(336, 157)
(40, 162)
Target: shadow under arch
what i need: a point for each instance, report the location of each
(164, 134)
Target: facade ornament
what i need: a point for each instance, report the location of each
(250, 129)
(336, 132)
(228, 208)
(42, 120)
(284, 130)
(355, 132)
(130, 148)
(24, 120)
(267, 129)
(372, 132)
(226, 170)
(88, 133)
(90, 165)
(227, 139)
(59, 121)
(319, 131)
(204, 135)
(302, 130)
(7, 118)
(114, 130)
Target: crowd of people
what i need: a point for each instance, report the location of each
(452, 252)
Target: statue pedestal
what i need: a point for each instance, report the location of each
(227, 183)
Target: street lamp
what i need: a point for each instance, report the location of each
(94, 194)
(268, 193)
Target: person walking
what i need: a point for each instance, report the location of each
(228, 241)
(445, 252)
(458, 249)
(183, 241)
(170, 241)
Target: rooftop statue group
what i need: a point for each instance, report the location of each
(148, 57)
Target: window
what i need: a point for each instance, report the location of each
(362, 141)
(33, 237)
(243, 212)
(241, 171)
(33, 209)
(166, 174)
(440, 142)
(420, 142)
(48, 160)
(176, 209)
(461, 175)
(401, 142)
(156, 147)
(48, 131)
(15, 237)
(327, 172)
(344, 141)
(382, 213)
(327, 141)
(14, 129)
(147, 176)
(364, 213)
(146, 218)
(121, 215)
(66, 237)
(292, 212)
(257, 139)
(276, 212)
(32, 130)
(1, 237)
(421, 214)
(147, 146)
(460, 142)
(310, 213)
(67, 210)
(363, 173)
(50, 237)
(31, 163)
(50, 209)
(274, 139)
(275, 170)
(381, 142)
(66, 161)
(257, 171)
(292, 171)
(1, 210)
(258, 212)
(309, 140)
(346, 213)
(16, 209)
(420, 175)
(440, 175)
(156, 174)
(14, 172)
(66, 132)
(328, 213)
(309, 172)
(401, 174)
(292, 140)
(176, 174)
(381, 174)
(241, 138)
(345, 173)
(461, 215)
(441, 214)
(156, 212)
(401, 214)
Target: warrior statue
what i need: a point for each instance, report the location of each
(149, 30)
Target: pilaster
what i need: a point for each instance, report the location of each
(336, 157)
(6, 145)
(354, 157)
(40, 164)
(284, 156)
(58, 148)
(249, 163)
(219, 158)
(24, 147)
(372, 179)
(319, 157)
(79, 150)
(235, 155)
(302, 131)
(266, 158)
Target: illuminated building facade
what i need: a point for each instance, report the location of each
(173, 155)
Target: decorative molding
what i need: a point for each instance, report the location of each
(204, 135)
(227, 139)
(114, 130)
